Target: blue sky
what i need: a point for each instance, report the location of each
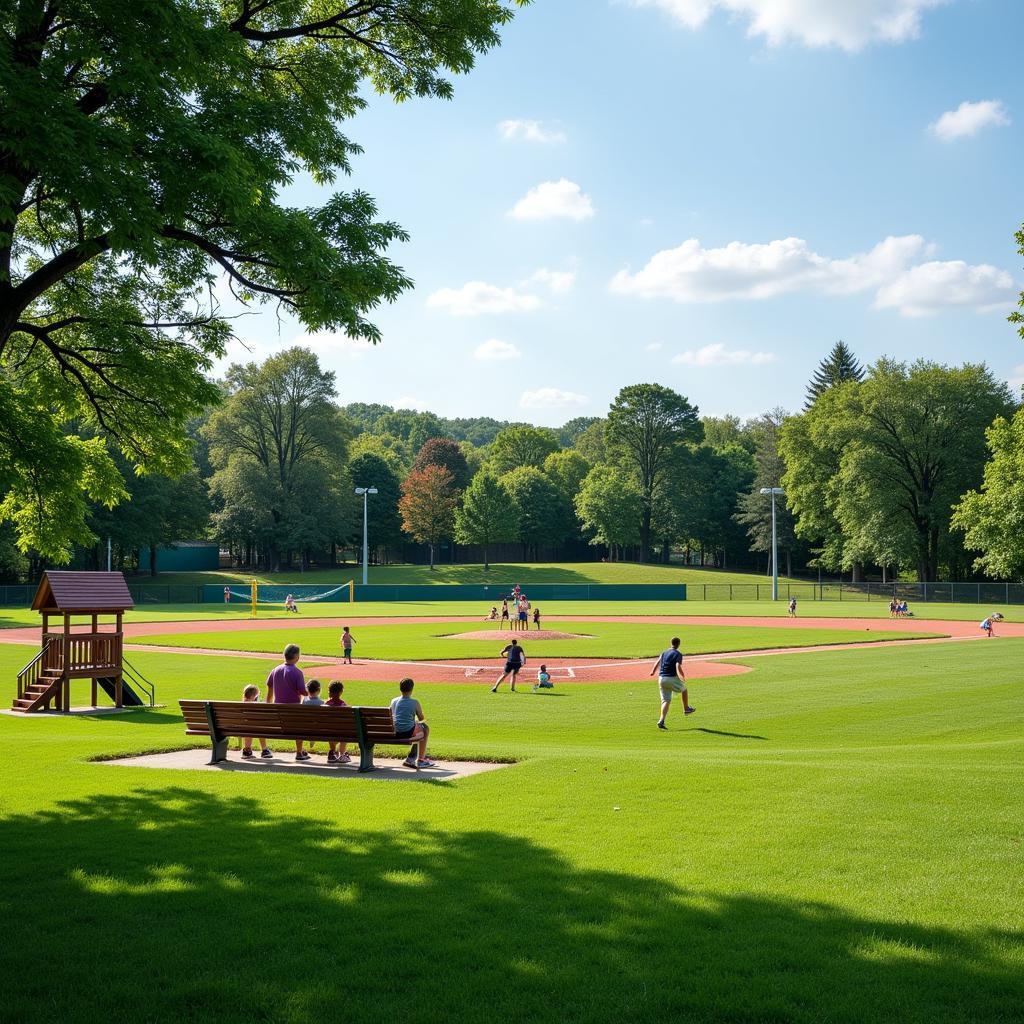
(704, 193)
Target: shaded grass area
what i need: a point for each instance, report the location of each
(426, 641)
(831, 837)
(501, 574)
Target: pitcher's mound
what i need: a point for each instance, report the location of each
(523, 636)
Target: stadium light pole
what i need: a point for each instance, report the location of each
(775, 544)
(364, 491)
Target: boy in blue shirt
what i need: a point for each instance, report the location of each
(407, 713)
(671, 679)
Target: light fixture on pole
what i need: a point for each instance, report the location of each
(364, 491)
(775, 544)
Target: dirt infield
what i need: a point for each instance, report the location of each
(954, 628)
(566, 670)
(497, 634)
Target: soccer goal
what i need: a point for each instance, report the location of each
(274, 596)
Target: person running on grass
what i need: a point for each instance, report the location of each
(407, 714)
(792, 607)
(347, 640)
(287, 685)
(515, 659)
(671, 679)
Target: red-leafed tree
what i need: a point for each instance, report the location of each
(443, 451)
(428, 504)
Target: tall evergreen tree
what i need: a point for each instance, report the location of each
(839, 366)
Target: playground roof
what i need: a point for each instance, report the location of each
(82, 592)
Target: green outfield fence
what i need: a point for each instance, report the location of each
(155, 594)
(943, 593)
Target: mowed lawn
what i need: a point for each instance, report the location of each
(425, 641)
(501, 574)
(11, 618)
(832, 837)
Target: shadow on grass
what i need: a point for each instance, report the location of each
(735, 735)
(170, 905)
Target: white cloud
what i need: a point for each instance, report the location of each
(654, 346)
(719, 355)
(741, 270)
(934, 286)
(494, 350)
(327, 343)
(969, 119)
(552, 398)
(529, 131)
(557, 281)
(408, 402)
(476, 297)
(550, 199)
(847, 24)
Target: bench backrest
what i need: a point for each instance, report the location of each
(288, 721)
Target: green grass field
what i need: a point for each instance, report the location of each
(500, 574)
(11, 618)
(428, 641)
(832, 837)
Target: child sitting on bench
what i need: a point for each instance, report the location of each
(336, 755)
(251, 695)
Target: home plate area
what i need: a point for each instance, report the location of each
(485, 671)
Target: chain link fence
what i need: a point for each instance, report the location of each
(944, 593)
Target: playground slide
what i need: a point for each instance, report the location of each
(129, 698)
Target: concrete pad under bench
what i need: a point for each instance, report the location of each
(285, 763)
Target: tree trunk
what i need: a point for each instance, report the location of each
(855, 573)
(431, 546)
(486, 565)
(645, 533)
(152, 560)
(789, 563)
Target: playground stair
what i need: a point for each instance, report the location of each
(35, 695)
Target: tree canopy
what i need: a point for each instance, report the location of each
(648, 426)
(109, 253)
(992, 517)
(428, 505)
(838, 367)
(892, 456)
(486, 516)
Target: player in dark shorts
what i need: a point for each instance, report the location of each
(515, 659)
(504, 612)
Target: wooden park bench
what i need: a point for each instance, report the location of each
(221, 719)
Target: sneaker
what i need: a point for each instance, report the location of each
(690, 711)
(333, 759)
(303, 756)
(267, 754)
(494, 689)
(662, 725)
(247, 753)
(534, 690)
(424, 764)
(345, 758)
(409, 762)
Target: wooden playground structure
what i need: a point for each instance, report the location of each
(82, 649)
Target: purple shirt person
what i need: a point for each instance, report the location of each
(287, 685)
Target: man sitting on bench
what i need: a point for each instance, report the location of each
(287, 685)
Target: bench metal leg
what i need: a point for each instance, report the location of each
(366, 757)
(217, 741)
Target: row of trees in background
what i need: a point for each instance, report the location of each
(884, 471)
